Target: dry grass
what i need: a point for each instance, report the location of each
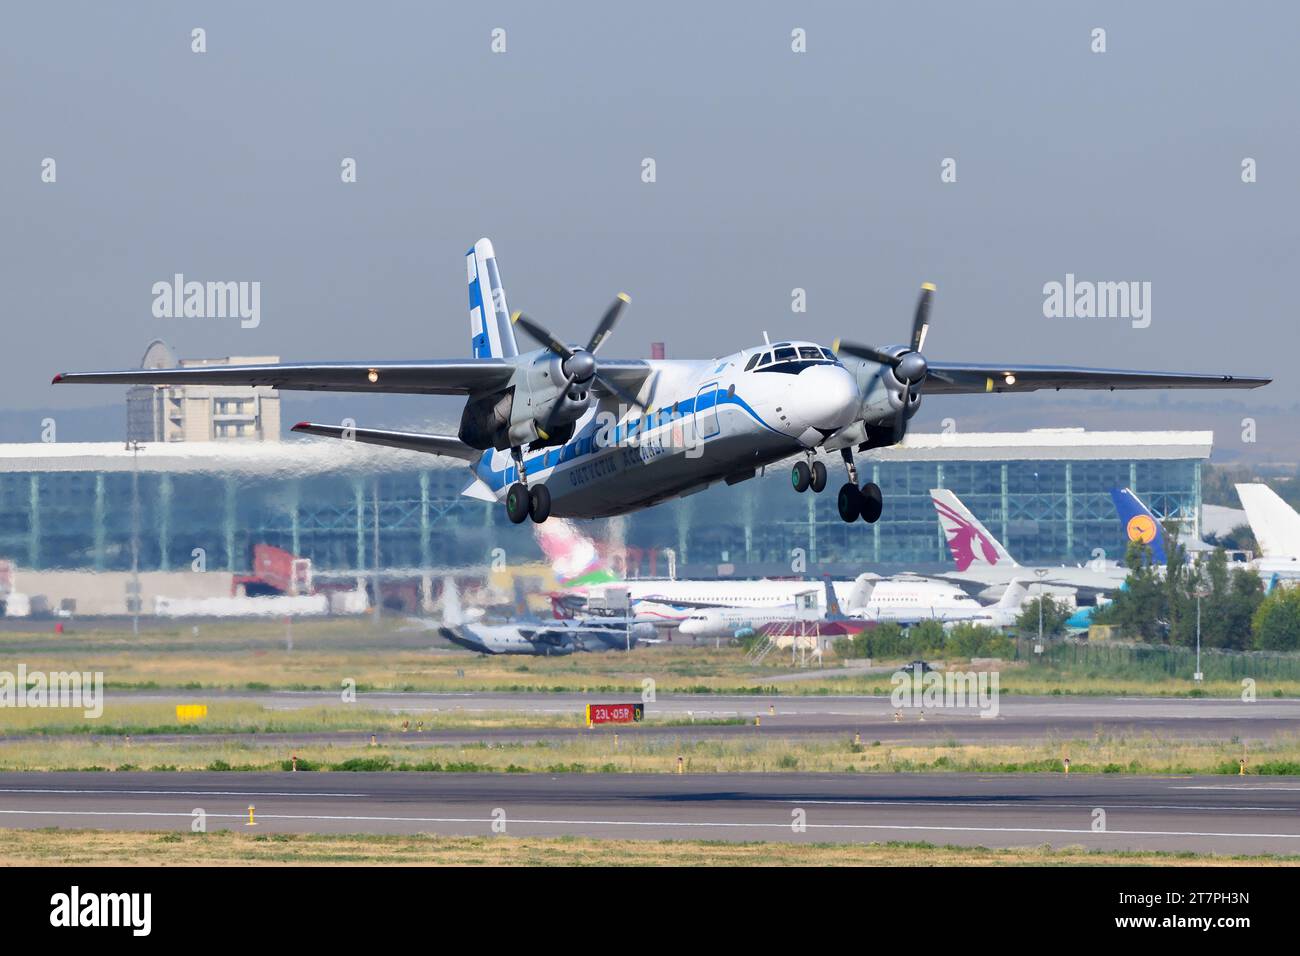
(597, 753)
(240, 655)
(226, 848)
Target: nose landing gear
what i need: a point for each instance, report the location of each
(866, 502)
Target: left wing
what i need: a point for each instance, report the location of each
(435, 377)
(958, 378)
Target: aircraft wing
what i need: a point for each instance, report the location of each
(435, 377)
(447, 445)
(956, 378)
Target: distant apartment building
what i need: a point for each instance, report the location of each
(172, 413)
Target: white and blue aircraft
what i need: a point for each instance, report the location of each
(554, 430)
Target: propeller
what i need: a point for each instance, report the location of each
(579, 365)
(910, 366)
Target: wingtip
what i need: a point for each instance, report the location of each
(301, 427)
(58, 377)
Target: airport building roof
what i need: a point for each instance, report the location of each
(1068, 444)
(302, 456)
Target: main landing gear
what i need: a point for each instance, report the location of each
(524, 502)
(804, 476)
(854, 502)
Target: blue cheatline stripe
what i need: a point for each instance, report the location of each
(585, 443)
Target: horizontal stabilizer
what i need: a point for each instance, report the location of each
(414, 441)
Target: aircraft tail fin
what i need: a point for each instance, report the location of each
(1014, 595)
(1274, 522)
(863, 585)
(969, 541)
(833, 612)
(452, 616)
(491, 333)
(1139, 523)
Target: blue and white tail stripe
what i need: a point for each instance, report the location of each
(490, 331)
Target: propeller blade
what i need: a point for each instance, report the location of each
(866, 352)
(546, 429)
(541, 335)
(921, 321)
(607, 322)
(900, 425)
(617, 390)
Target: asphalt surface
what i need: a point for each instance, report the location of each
(1202, 814)
(1016, 719)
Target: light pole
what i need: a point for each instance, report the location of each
(1200, 593)
(1042, 573)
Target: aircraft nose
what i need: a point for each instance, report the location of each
(825, 397)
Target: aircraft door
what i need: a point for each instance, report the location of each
(706, 411)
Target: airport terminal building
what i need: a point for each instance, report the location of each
(99, 506)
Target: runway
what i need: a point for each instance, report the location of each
(1201, 814)
(1016, 718)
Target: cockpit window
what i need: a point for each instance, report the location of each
(829, 355)
(753, 360)
(810, 352)
(786, 354)
(767, 359)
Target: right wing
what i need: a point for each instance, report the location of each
(436, 377)
(447, 445)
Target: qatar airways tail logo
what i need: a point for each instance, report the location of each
(963, 537)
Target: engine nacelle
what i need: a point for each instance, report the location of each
(515, 417)
(883, 394)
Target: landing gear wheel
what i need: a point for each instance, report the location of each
(517, 503)
(818, 477)
(539, 506)
(850, 503)
(871, 502)
(800, 476)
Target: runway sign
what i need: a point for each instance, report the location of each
(614, 713)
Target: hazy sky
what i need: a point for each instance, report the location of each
(775, 170)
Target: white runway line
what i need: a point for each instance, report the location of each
(663, 823)
(187, 793)
(959, 804)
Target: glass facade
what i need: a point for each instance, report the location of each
(1045, 511)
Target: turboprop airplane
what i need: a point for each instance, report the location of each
(555, 430)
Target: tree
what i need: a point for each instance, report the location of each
(926, 637)
(1277, 621)
(977, 640)
(1055, 614)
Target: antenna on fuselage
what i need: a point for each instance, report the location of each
(766, 340)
